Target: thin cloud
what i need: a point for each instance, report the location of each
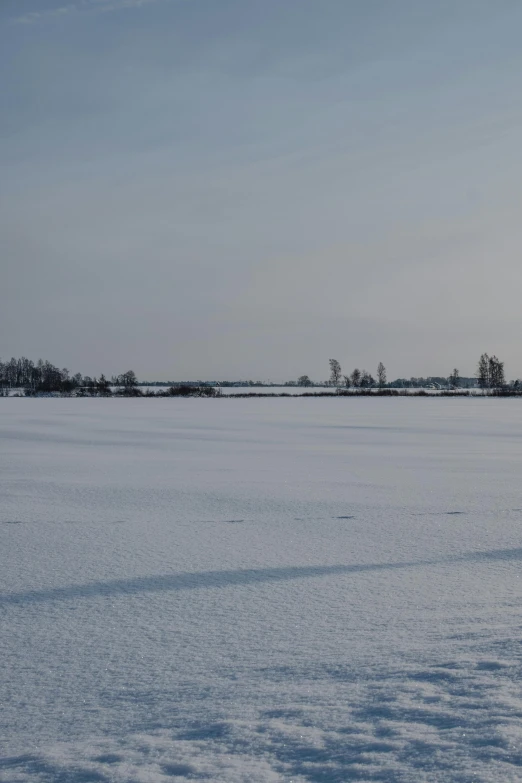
(36, 16)
(100, 6)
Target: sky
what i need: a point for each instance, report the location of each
(213, 189)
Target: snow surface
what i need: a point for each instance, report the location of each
(260, 590)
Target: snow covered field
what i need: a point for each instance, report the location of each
(260, 590)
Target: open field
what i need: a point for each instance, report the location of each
(268, 590)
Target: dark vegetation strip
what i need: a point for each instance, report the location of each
(212, 392)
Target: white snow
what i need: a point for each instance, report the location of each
(260, 590)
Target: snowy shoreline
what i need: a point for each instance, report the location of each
(210, 393)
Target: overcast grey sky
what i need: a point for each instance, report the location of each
(246, 188)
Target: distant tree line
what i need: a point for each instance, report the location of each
(42, 377)
(489, 376)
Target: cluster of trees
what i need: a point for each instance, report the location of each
(359, 379)
(490, 375)
(42, 376)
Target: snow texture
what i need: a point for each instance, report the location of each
(261, 590)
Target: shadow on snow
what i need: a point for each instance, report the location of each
(220, 579)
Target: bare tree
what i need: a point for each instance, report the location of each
(483, 377)
(304, 380)
(381, 375)
(128, 380)
(356, 378)
(347, 381)
(496, 373)
(454, 379)
(367, 380)
(335, 372)
(103, 385)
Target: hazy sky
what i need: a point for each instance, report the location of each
(246, 188)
